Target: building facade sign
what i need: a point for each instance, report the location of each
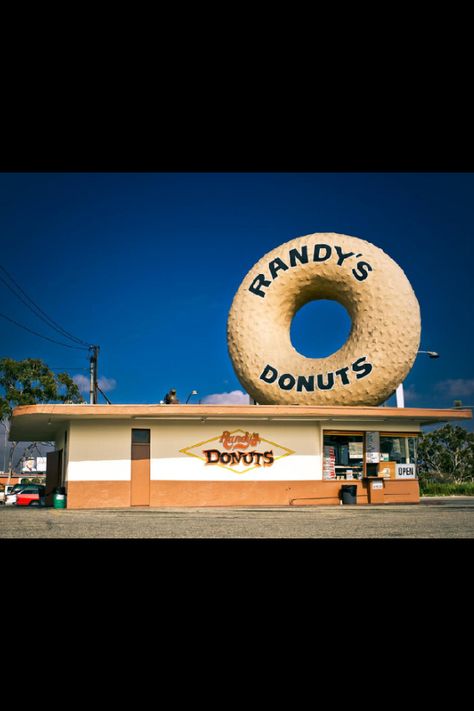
(238, 451)
(367, 282)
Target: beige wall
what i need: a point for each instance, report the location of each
(100, 451)
(360, 425)
(169, 463)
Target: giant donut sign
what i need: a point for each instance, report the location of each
(384, 337)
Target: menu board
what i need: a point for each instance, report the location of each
(372, 447)
(355, 450)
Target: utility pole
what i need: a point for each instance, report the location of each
(94, 385)
(93, 374)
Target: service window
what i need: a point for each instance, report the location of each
(399, 448)
(343, 455)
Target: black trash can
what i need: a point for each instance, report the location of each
(349, 493)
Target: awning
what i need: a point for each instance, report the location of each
(42, 422)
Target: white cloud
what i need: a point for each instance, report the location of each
(410, 393)
(82, 383)
(456, 387)
(105, 384)
(236, 397)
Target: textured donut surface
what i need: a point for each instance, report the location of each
(381, 346)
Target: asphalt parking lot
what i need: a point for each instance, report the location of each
(434, 517)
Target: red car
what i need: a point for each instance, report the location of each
(32, 495)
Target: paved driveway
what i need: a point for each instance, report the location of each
(443, 517)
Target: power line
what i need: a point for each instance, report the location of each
(28, 305)
(46, 338)
(37, 310)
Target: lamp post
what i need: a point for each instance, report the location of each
(399, 391)
(193, 392)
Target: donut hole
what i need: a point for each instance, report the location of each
(320, 328)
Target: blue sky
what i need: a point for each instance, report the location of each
(146, 265)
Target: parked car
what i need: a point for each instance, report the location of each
(31, 495)
(2, 494)
(11, 491)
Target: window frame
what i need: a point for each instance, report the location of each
(406, 436)
(344, 433)
(140, 441)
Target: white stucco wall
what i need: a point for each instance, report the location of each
(363, 426)
(100, 451)
(168, 462)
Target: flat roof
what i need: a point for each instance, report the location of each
(41, 422)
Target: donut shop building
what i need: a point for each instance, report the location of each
(114, 456)
(320, 424)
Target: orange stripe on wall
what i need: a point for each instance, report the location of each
(250, 493)
(98, 494)
(116, 494)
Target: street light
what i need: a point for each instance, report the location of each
(193, 392)
(399, 391)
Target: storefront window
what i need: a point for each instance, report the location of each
(354, 455)
(343, 455)
(398, 448)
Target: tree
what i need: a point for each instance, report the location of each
(447, 454)
(29, 382)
